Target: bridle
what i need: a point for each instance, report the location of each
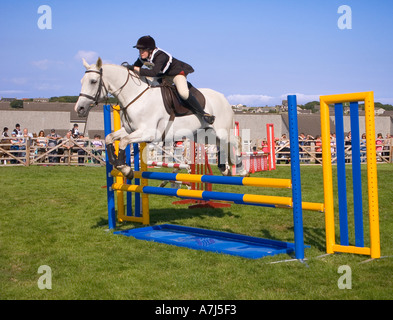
(100, 85)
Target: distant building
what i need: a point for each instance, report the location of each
(240, 108)
(40, 100)
(7, 99)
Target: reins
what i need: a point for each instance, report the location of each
(137, 97)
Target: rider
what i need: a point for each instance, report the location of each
(161, 64)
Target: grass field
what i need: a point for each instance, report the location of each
(57, 216)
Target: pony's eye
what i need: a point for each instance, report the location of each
(93, 81)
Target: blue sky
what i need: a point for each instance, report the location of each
(253, 51)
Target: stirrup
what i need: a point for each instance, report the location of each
(209, 118)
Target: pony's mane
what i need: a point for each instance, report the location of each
(143, 79)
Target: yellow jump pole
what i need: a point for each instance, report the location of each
(372, 176)
(119, 194)
(327, 176)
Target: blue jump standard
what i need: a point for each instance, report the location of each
(209, 240)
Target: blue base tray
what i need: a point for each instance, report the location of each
(208, 240)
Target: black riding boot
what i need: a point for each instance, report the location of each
(195, 107)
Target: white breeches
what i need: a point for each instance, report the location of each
(180, 82)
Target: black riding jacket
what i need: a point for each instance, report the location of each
(161, 63)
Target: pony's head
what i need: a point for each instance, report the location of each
(93, 90)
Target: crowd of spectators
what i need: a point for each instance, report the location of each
(51, 148)
(311, 148)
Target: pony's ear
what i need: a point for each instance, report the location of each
(99, 63)
(85, 64)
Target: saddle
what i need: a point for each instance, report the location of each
(174, 104)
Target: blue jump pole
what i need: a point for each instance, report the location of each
(138, 208)
(356, 174)
(295, 176)
(341, 174)
(109, 167)
(129, 195)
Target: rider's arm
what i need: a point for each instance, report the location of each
(159, 62)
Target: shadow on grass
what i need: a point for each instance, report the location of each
(174, 215)
(314, 237)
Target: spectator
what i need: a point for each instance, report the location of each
(283, 144)
(318, 149)
(187, 148)
(67, 147)
(387, 146)
(81, 142)
(26, 133)
(5, 133)
(302, 141)
(42, 143)
(75, 131)
(53, 140)
(14, 146)
(97, 147)
(333, 146)
(265, 147)
(348, 147)
(379, 145)
(305, 147)
(17, 130)
(24, 142)
(363, 148)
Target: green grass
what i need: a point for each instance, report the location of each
(57, 216)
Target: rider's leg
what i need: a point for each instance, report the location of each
(180, 82)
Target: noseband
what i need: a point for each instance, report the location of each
(100, 85)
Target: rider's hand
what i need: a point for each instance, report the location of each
(128, 66)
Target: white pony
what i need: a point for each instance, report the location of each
(144, 118)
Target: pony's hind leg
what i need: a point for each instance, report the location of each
(229, 154)
(223, 154)
(236, 157)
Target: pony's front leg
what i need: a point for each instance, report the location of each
(135, 137)
(109, 141)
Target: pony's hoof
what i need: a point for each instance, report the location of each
(130, 175)
(209, 118)
(126, 171)
(244, 173)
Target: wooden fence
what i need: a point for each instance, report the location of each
(18, 151)
(26, 152)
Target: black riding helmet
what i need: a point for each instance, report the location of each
(145, 42)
